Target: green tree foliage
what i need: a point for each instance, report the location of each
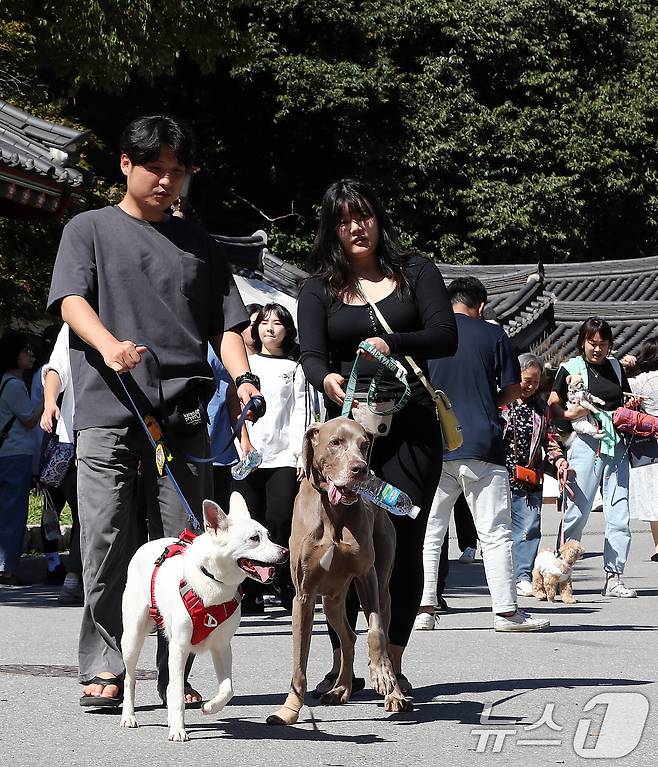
(495, 130)
(498, 130)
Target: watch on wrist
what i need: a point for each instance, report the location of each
(248, 377)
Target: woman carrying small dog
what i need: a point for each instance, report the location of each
(527, 436)
(357, 259)
(597, 461)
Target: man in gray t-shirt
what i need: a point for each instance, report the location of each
(129, 275)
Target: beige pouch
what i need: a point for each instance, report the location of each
(374, 423)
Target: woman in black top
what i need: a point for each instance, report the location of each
(356, 253)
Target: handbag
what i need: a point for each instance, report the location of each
(56, 461)
(450, 426)
(523, 473)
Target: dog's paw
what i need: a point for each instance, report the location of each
(178, 735)
(396, 702)
(283, 716)
(382, 680)
(569, 600)
(213, 706)
(128, 721)
(337, 696)
(540, 595)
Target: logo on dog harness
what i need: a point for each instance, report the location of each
(204, 619)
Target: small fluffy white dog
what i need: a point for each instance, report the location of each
(551, 572)
(206, 574)
(578, 395)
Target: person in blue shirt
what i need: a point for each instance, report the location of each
(18, 417)
(481, 377)
(220, 429)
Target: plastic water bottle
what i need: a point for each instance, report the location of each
(242, 469)
(387, 496)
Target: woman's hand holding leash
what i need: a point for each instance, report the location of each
(564, 474)
(379, 344)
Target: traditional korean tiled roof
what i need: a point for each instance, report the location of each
(542, 306)
(249, 257)
(41, 147)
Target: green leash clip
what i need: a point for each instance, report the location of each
(388, 363)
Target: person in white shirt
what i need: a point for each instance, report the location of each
(56, 381)
(270, 490)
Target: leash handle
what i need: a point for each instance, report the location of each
(257, 407)
(159, 451)
(389, 363)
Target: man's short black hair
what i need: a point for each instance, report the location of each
(467, 290)
(143, 138)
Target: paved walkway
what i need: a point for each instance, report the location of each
(597, 651)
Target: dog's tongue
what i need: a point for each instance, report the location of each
(338, 495)
(264, 573)
(335, 494)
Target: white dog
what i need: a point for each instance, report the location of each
(579, 395)
(193, 596)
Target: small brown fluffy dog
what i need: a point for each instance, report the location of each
(551, 572)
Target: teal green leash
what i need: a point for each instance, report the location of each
(388, 363)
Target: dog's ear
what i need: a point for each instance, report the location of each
(237, 506)
(214, 519)
(308, 448)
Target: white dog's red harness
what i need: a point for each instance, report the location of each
(204, 619)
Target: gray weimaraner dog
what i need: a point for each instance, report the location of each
(338, 537)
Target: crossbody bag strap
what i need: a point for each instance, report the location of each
(4, 433)
(516, 451)
(410, 360)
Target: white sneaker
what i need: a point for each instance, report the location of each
(616, 588)
(468, 556)
(426, 621)
(520, 621)
(524, 588)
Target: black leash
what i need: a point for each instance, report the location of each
(256, 405)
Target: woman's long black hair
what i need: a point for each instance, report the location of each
(327, 258)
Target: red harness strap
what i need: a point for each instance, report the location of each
(204, 619)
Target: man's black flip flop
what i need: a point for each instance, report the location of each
(99, 701)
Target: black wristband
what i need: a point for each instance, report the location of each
(251, 378)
